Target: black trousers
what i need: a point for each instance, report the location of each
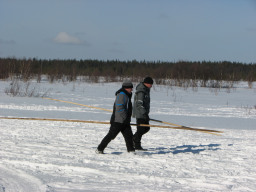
(114, 130)
(140, 131)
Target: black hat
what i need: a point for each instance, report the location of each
(148, 80)
(127, 84)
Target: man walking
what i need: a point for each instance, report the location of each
(120, 119)
(141, 108)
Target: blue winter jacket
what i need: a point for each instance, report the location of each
(122, 109)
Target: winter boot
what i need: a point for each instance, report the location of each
(99, 151)
(137, 146)
(132, 152)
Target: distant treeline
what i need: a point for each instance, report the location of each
(111, 69)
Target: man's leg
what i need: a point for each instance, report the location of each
(113, 132)
(127, 133)
(140, 131)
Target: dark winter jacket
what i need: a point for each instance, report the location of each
(141, 104)
(122, 109)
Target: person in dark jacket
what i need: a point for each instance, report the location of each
(141, 109)
(120, 119)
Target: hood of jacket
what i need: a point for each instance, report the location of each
(142, 88)
(123, 90)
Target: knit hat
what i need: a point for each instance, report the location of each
(127, 84)
(148, 80)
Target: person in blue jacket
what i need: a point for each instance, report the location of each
(120, 119)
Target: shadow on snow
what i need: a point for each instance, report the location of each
(195, 149)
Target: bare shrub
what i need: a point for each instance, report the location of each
(24, 89)
(14, 88)
(250, 84)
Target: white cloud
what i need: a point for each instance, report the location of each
(65, 38)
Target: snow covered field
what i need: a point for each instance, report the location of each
(60, 156)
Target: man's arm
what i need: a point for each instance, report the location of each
(140, 105)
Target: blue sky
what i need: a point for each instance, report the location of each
(151, 30)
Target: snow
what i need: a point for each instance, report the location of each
(60, 156)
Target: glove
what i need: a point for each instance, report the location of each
(146, 117)
(127, 121)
